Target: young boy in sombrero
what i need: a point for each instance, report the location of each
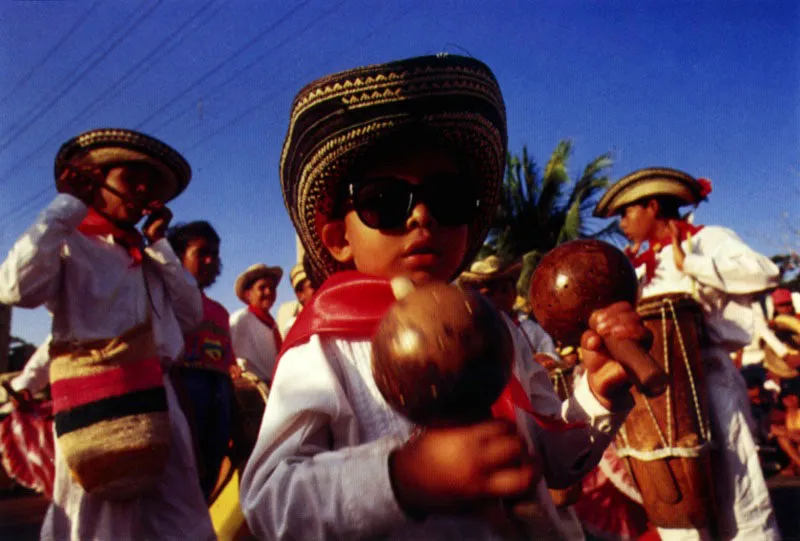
(722, 273)
(84, 259)
(393, 171)
(255, 334)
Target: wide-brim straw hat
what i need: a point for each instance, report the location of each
(336, 119)
(489, 270)
(652, 182)
(253, 273)
(107, 147)
(297, 275)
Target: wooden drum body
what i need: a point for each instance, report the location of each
(667, 439)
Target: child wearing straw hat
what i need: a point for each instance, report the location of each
(722, 273)
(101, 279)
(389, 171)
(255, 334)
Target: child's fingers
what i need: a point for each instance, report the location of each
(503, 451)
(510, 482)
(491, 429)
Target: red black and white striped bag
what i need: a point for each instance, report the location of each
(110, 407)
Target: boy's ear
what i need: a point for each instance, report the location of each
(335, 240)
(654, 207)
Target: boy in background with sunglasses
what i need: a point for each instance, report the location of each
(84, 259)
(392, 171)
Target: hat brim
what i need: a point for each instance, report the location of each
(646, 183)
(338, 119)
(109, 147)
(510, 272)
(248, 277)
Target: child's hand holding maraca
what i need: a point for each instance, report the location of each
(607, 378)
(456, 468)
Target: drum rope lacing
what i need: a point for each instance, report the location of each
(669, 449)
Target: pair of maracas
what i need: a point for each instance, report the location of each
(442, 356)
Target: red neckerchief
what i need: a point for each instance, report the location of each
(130, 239)
(267, 320)
(351, 304)
(648, 257)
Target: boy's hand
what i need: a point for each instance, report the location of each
(81, 182)
(607, 378)
(451, 469)
(155, 227)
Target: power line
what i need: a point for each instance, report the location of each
(68, 34)
(271, 96)
(222, 64)
(250, 64)
(78, 77)
(108, 92)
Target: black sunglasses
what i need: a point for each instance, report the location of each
(387, 202)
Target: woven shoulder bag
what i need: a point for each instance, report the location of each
(111, 420)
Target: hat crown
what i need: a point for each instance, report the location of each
(335, 119)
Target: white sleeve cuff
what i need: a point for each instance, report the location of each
(599, 417)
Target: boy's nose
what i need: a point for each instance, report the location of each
(420, 216)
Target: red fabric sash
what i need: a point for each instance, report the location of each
(130, 239)
(648, 258)
(269, 321)
(350, 305)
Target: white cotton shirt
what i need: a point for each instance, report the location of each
(93, 291)
(320, 471)
(538, 339)
(254, 342)
(723, 273)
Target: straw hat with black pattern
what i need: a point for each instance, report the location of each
(336, 119)
(107, 147)
(652, 182)
(490, 269)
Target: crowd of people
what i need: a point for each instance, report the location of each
(392, 171)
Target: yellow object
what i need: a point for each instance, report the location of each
(226, 513)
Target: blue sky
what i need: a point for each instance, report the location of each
(712, 88)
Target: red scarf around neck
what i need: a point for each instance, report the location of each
(128, 238)
(351, 304)
(649, 259)
(269, 321)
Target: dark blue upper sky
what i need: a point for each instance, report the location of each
(712, 88)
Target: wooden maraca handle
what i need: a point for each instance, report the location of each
(648, 377)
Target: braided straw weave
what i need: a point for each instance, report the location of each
(108, 146)
(336, 119)
(111, 419)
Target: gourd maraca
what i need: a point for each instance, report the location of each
(577, 278)
(442, 356)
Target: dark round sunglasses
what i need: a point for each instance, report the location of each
(387, 202)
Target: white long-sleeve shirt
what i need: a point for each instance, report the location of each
(723, 273)
(320, 467)
(93, 292)
(36, 374)
(253, 341)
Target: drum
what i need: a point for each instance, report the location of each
(667, 439)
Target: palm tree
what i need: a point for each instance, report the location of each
(537, 211)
